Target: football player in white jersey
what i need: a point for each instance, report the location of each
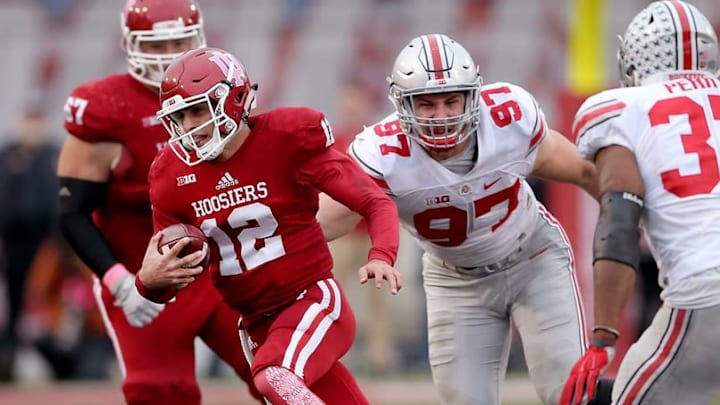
(656, 143)
(455, 156)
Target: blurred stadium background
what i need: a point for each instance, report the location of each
(332, 55)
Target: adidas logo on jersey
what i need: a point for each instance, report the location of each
(226, 181)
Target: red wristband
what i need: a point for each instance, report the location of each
(158, 295)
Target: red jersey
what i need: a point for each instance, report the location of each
(258, 208)
(121, 110)
(343, 139)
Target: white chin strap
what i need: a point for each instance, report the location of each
(154, 76)
(145, 75)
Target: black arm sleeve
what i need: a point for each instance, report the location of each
(617, 233)
(78, 199)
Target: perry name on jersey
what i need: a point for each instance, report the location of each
(486, 213)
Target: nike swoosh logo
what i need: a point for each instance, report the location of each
(492, 183)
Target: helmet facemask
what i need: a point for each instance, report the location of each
(148, 67)
(435, 64)
(437, 133)
(184, 144)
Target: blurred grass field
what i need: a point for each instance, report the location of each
(231, 392)
(516, 391)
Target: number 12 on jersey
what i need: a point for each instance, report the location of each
(256, 223)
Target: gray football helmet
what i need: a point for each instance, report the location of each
(431, 64)
(666, 37)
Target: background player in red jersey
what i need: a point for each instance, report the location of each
(251, 184)
(106, 215)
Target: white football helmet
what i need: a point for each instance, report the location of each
(158, 20)
(664, 39)
(431, 64)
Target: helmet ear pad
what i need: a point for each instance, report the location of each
(234, 108)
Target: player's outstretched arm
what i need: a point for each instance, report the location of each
(558, 160)
(336, 220)
(343, 181)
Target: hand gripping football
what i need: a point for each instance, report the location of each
(173, 233)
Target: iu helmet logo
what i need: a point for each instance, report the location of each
(227, 64)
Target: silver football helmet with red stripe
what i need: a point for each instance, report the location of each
(664, 39)
(432, 64)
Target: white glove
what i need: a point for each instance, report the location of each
(138, 310)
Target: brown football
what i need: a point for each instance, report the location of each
(173, 233)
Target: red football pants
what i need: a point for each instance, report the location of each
(309, 337)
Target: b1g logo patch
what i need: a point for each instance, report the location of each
(186, 179)
(435, 200)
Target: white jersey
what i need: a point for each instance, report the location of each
(673, 128)
(471, 219)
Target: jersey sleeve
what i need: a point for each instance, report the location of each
(335, 174)
(313, 132)
(368, 162)
(518, 119)
(162, 218)
(162, 208)
(597, 124)
(91, 112)
(366, 149)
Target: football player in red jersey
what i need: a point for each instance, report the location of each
(251, 184)
(113, 136)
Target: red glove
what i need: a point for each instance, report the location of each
(583, 378)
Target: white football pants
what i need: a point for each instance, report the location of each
(469, 321)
